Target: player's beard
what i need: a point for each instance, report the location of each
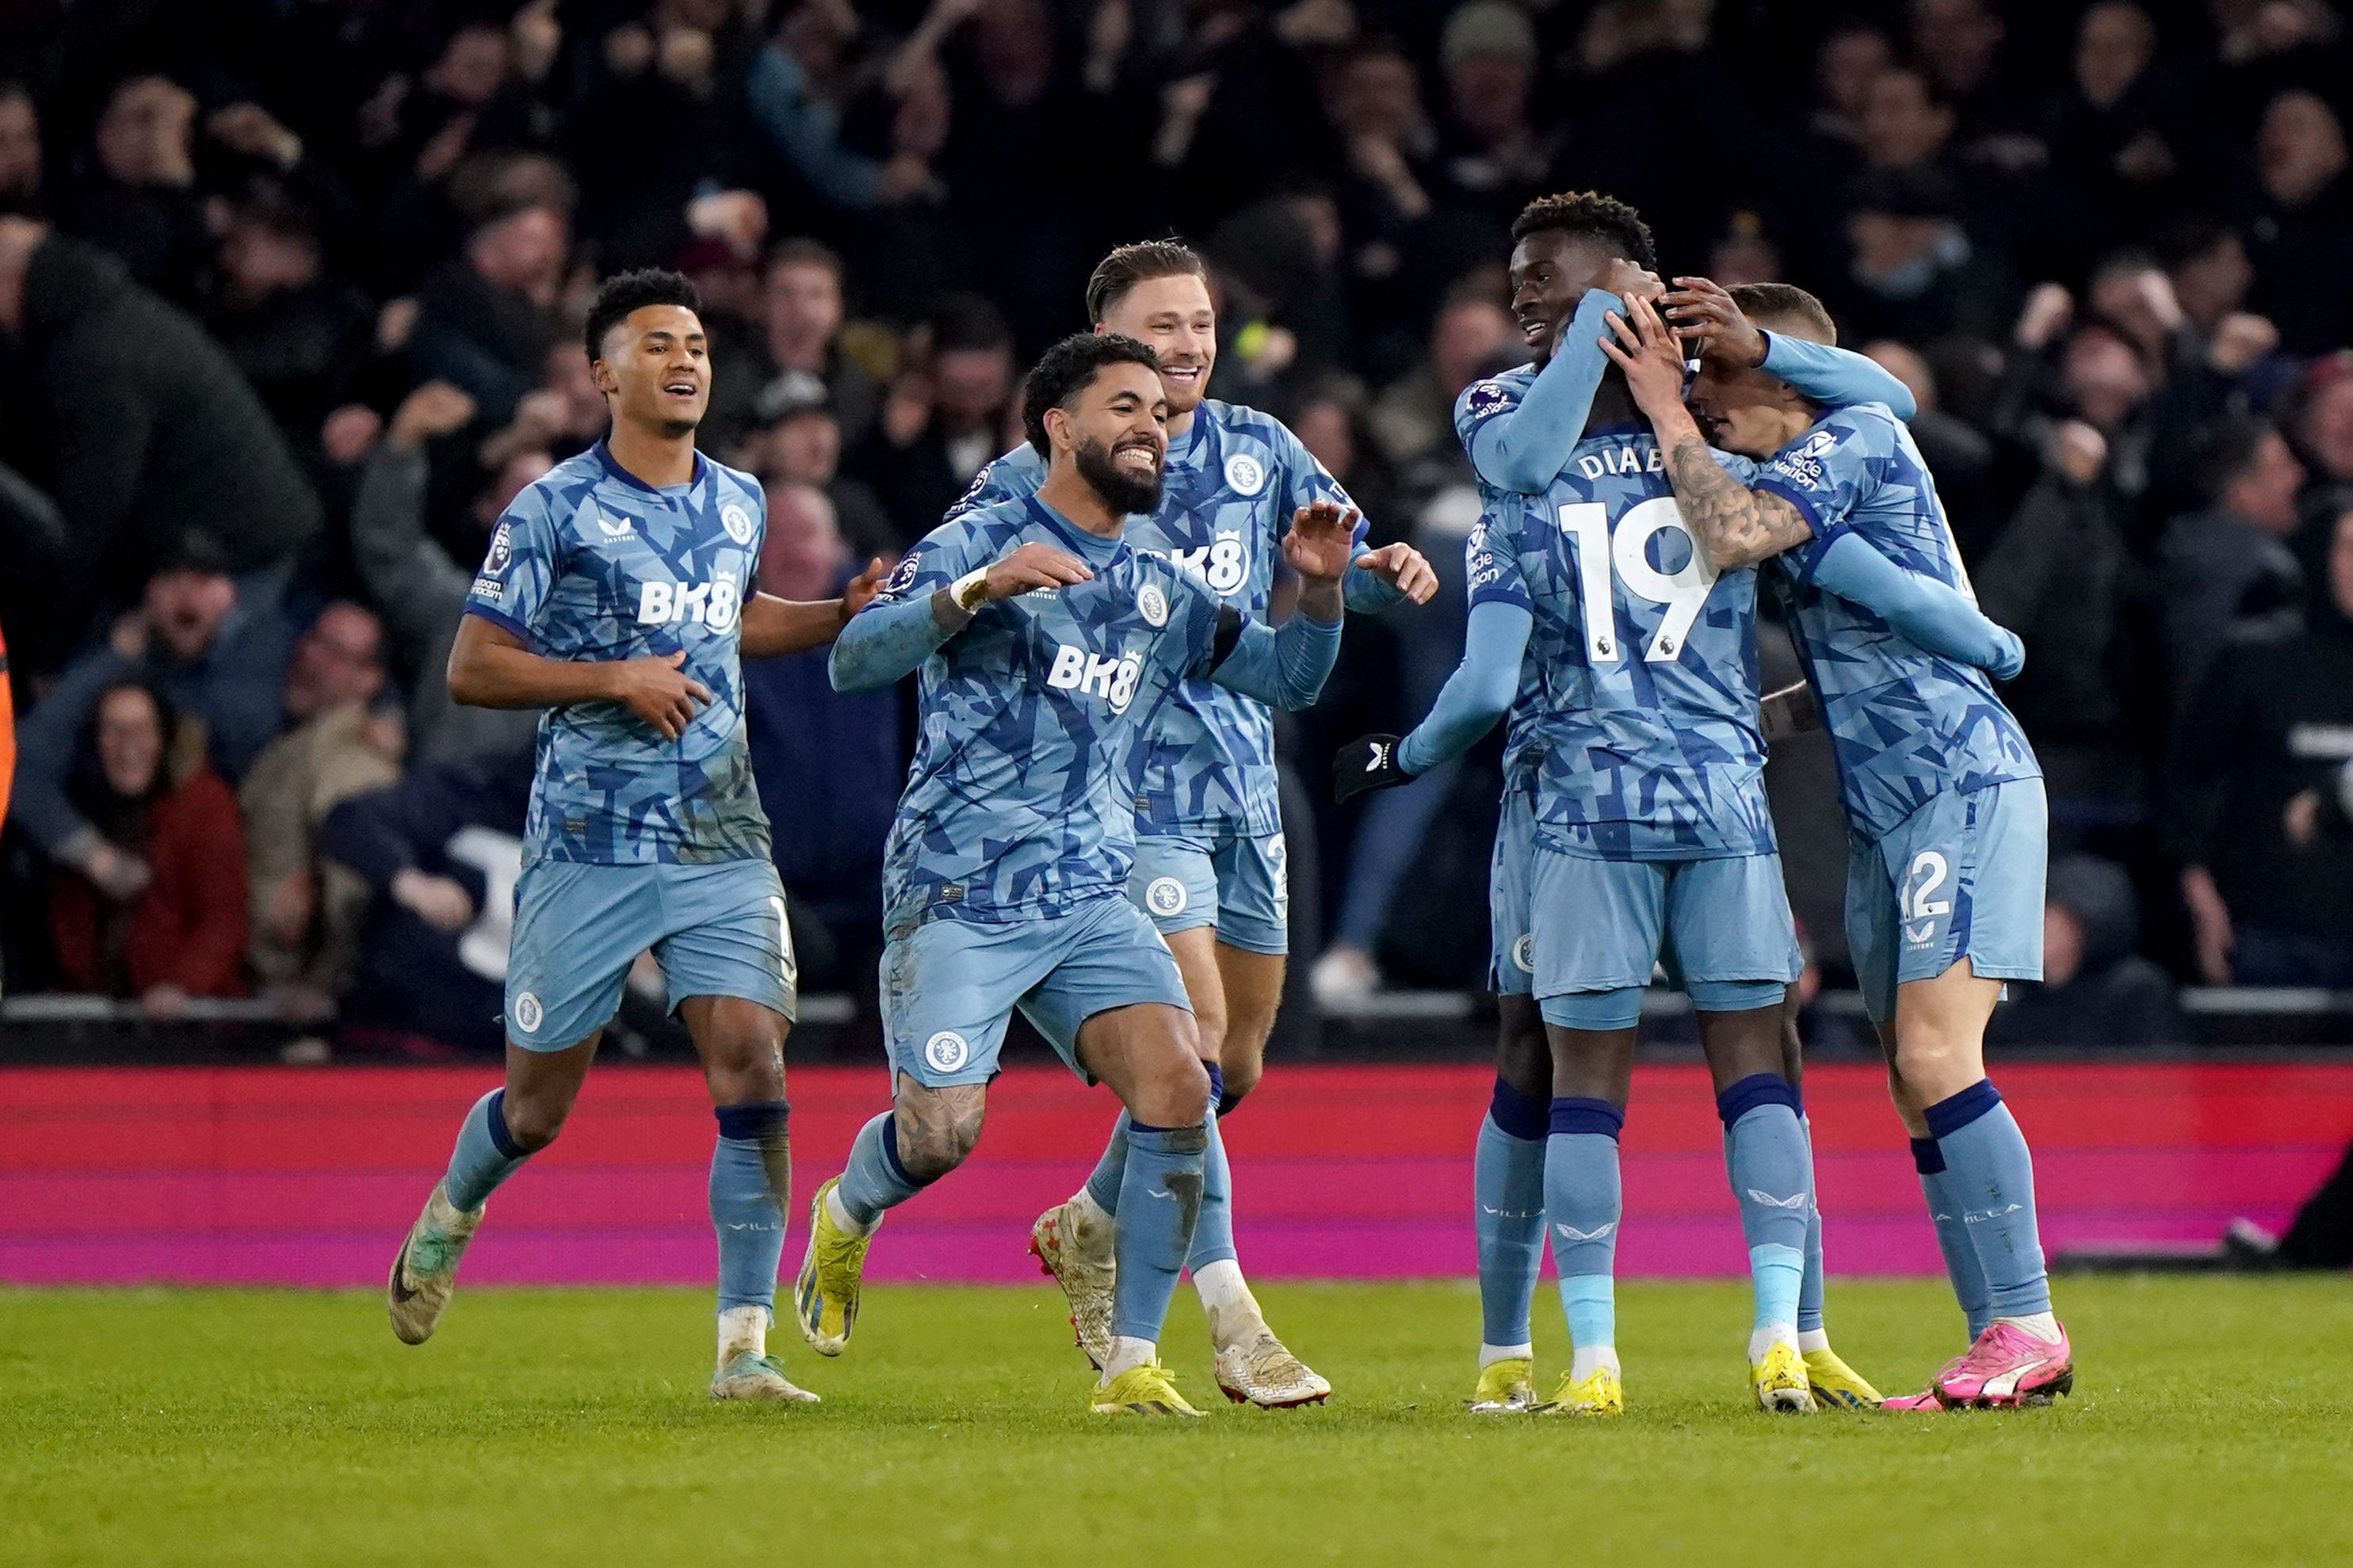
(1121, 491)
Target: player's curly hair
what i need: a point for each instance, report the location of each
(1068, 368)
(1589, 215)
(1129, 265)
(626, 292)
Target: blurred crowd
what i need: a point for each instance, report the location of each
(288, 304)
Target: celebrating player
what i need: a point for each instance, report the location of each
(1049, 646)
(1209, 863)
(1573, 256)
(1943, 796)
(617, 595)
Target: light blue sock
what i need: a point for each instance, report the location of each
(874, 1181)
(1583, 1202)
(1507, 1186)
(1773, 1181)
(1991, 1176)
(1811, 1290)
(1103, 1183)
(1952, 1237)
(1213, 1233)
(750, 1189)
(486, 1153)
(1160, 1202)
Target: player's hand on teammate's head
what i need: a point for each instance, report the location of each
(1322, 540)
(661, 695)
(1631, 281)
(1032, 567)
(1404, 568)
(1650, 355)
(863, 588)
(1701, 308)
(1367, 762)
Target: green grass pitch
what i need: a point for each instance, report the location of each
(2212, 1422)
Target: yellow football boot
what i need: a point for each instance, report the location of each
(1600, 1394)
(1506, 1388)
(1779, 1382)
(826, 1291)
(1146, 1390)
(1836, 1385)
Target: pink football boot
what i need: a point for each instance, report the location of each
(2006, 1368)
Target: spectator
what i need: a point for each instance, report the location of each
(2301, 224)
(153, 437)
(2323, 425)
(215, 651)
(830, 765)
(2271, 903)
(1851, 58)
(139, 200)
(795, 89)
(176, 930)
(2230, 564)
(1957, 452)
(2096, 989)
(421, 589)
(299, 335)
(1913, 269)
(1416, 412)
(438, 850)
(20, 152)
(305, 916)
(486, 321)
(800, 333)
(796, 439)
(945, 418)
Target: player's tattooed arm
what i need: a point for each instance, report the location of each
(937, 1128)
(1735, 525)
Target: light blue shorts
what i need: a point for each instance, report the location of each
(1603, 925)
(1959, 878)
(950, 987)
(1511, 957)
(716, 931)
(1194, 877)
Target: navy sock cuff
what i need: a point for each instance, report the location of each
(1169, 1139)
(750, 1123)
(890, 1157)
(494, 1116)
(1519, 1115)
(1756, 1089)
(1217, 1086)
(1227, 1101)
(1574, 1113)
(1926, 1158)
(1947, 1117)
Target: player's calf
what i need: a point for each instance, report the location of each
(928, 1133)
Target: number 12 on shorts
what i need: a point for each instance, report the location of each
(1915, 901)
(1599, 551)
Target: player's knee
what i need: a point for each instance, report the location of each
(1241, 1076)
(534, 1121)
(1172, 1090)
(938, 1130)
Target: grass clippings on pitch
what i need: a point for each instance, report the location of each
(2212, 1422)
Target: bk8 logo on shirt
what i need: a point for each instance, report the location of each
(1113, 680)
(715, 604)
(1222, 564)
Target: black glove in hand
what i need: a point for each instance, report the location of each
(1368, 762)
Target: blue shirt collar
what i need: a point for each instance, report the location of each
(613, 469)
(1091, 548)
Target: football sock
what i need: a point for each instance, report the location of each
(1213, 1235)
(1765, 1156)
(751, 1183)
(486, 1153)
(1507, 1183)
(1952, 1237)
(1583, 1202)
(1160, 1202)
(1991, 1176)
(873, 1180)
(1811, 1334)
(1103, 1184)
